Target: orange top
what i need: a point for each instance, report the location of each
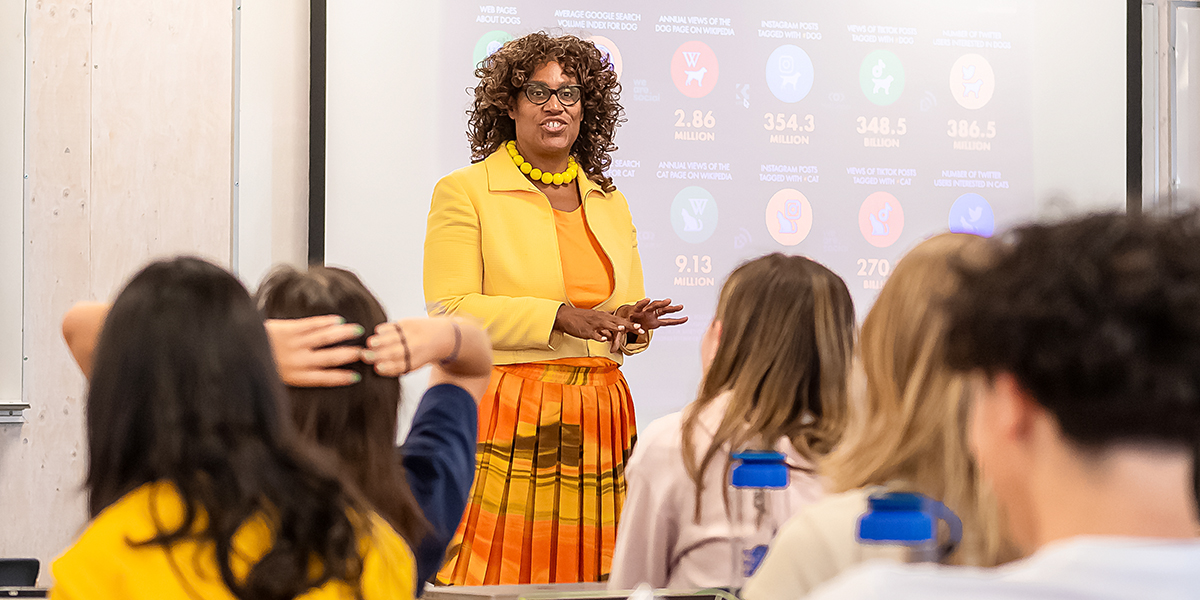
(587, 272)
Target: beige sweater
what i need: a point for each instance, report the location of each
(815, 546)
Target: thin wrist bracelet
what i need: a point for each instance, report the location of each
(404, 344)
(457, 345)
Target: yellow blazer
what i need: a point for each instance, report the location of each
(491, 252)
(104, 565)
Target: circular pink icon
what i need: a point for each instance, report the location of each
(694, 69)
(789, 217)
(881, 219)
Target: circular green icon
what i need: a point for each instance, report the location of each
(489, 43)
(694, 214)
(882, 77)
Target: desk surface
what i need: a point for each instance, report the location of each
(507, 592)
(560, 591)
(22, 592)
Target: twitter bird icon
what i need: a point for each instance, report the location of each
(972, 214)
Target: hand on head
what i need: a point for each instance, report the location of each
(304, 351)
(305, 359)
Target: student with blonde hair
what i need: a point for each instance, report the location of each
(1083, 338)
(907, 432)
(776, 359)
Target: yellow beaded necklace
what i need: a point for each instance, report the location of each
(539, 175)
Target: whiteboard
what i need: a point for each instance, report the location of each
(847, 132)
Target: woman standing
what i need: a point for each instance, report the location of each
(537, 243)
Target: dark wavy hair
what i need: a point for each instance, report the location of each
(502, 75)
(358, 421)
(1099, 319)
(185, 391)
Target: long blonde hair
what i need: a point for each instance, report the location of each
(787, 334)
(909, 428)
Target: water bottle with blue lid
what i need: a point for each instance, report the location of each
(910, 520)
(759, 484)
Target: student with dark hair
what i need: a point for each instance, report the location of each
(198, 486)
(1085, 338)
(317, 334)
(359, 421)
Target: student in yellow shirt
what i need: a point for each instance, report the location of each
(198, 485)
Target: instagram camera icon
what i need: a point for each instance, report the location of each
(787, 65)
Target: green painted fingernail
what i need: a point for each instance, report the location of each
(341, 320)
(368, 355)
(358, 330)
(355, 377)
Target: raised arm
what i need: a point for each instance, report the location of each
(458, 350)
(81, 329)
(299, 345)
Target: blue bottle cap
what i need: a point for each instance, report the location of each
(760, 470)
(906, 519)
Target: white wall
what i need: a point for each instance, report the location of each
(12, 99)
(1079, 106)
(272, 200)
(382, 144)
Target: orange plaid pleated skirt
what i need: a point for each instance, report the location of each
(554, 438)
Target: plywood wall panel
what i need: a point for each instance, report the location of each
(128, 142)
(41, 462)
(162, 119)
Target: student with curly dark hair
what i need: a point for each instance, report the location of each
(536, 242)
(1085, 338)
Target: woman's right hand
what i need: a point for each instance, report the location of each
(591, 324)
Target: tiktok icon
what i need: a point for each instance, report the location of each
(881, 219)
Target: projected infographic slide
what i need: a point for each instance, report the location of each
(842, 131)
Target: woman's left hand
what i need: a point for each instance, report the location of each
(649, 315)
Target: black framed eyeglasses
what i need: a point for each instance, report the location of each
(540, 93)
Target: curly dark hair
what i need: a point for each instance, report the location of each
(1099, 320)
(502, 75)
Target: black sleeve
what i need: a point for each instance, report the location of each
(439, 458)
